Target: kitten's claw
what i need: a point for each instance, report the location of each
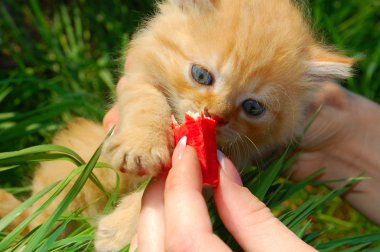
(140, 171)
(140, 156)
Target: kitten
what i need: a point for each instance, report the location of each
(254, 64)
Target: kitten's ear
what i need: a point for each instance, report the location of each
(195, 4)
(326, 65)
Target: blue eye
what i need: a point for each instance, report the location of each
(253, 108)
(201, 75)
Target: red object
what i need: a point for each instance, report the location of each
(201, 135)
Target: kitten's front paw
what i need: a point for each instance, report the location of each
(117, 229)
(111, 236)
(139, 152)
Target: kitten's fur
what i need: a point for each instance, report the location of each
(259, 49)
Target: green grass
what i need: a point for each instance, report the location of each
(60, 59)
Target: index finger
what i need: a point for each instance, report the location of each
(188, 225)
(184, 202)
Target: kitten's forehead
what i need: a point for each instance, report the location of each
(245, 37)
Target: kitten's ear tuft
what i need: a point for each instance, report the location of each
(195, 4)
(326, 65)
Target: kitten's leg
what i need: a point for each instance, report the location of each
(116, 230)
(8, 203)
(143, 139)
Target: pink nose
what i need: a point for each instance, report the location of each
(218, 119)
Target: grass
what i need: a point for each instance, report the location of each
(60, 59)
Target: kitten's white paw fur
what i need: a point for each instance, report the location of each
(117, 229)
(140, 152)
(112, 235)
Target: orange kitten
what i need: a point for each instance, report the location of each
(254, 64)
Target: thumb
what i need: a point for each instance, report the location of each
(248, 219)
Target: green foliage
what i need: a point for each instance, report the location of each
(60, 59)
(354, 27)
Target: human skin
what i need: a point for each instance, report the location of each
(345, 140)
(174, 215)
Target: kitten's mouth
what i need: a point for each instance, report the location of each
(180, 118)
(221, 139)
(220, 121)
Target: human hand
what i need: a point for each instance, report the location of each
(174, 215)
(328, 133)
(345, 141)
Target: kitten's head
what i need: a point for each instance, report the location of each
(251, 64)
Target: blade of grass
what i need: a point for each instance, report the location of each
(279, 196)
(8, 219)
(6, 168)
(60, 186)
(78, 185)
(306, 209)
(262, 184)
(363, 239)
(40, 153)
(48, 242)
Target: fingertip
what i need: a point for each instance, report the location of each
(110, 119)
(185, 208)
(179, 150)
(228, 169)
(186, 172)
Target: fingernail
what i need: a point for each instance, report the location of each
(221, 159)
(179, 150)
(181, 145)
(228, 169)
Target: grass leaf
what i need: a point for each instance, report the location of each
(78, 185)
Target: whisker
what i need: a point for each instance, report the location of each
(254, 147)
(253, 144)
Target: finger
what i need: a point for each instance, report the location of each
(186, 214)
(183, 192)
(133, 245)
(121, 84)
(151, 222)
(110, 119)
(249, 220)
(325, 112)
(307, 164)
(179, 150)
(229, 168)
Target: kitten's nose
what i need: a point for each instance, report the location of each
(221, 121)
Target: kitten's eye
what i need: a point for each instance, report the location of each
(253, 107)
(201, 75)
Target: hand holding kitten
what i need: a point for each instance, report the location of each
(345, 140)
